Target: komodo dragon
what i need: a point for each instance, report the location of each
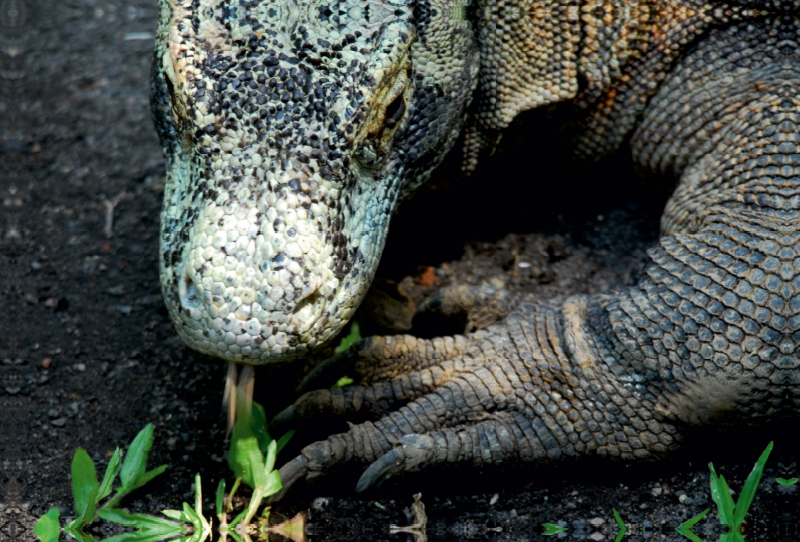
(292, 129)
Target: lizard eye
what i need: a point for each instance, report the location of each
(383, 122)
(395, 111)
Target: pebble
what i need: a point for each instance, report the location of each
(59, 422)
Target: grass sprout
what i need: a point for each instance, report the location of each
(353, 337)
(621, 524)
(551, 528)
(730, 514)
(786, 482)
(685, 528)
(252, 459)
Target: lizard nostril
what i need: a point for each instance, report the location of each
(310, 299)
(188, 292)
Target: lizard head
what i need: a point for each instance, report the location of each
(291, 130)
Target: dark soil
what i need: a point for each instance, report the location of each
(88, 355)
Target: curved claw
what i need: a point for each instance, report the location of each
(381, 470)
(290, 473)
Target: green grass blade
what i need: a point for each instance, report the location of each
(685, 528)
(691, 522)
(75, 532)
(551, 528)
(272, 455)
(750, 487)
(112, 469)
(46, 528)
(136, 459)
(353, 337)
(194, 519)
(690, 535)
(721, 494)
(144, 522)
(284, 440)
(175, 514)
(258, 424)
(220, 497)
(84, 487)
(622, 527)
(786, 482)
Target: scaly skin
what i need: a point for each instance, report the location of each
(708, 95)
(291, 130)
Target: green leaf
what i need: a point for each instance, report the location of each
(136, 459)
(272, 455)
(353, 337)
(84, 487)
(194, 519)
(750, 487)
(259, 426)
(148, 528)
(220, 497)
(284, 440)
(786, 482)
(74, 530)
(112, 469)
(721, 494)
(273, 484)
(342, 382)
(175, 514)
(551, 529)
(244, 457)
(46, 527)
(685, 528)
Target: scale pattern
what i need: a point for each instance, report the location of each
(290, 130)
(705, 92)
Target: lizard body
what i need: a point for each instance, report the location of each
(273, 119)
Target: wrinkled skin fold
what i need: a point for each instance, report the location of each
(706, 93)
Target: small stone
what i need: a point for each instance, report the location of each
(80, 367)
(47, 362)
(116, 290)
(596, 536)
(596, 521)
(656, 491)
(59, 422)
(53, 413)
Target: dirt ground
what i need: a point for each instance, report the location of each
(88, 355)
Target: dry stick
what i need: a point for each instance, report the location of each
(229, 398)
(246, 384)
(110, 206)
